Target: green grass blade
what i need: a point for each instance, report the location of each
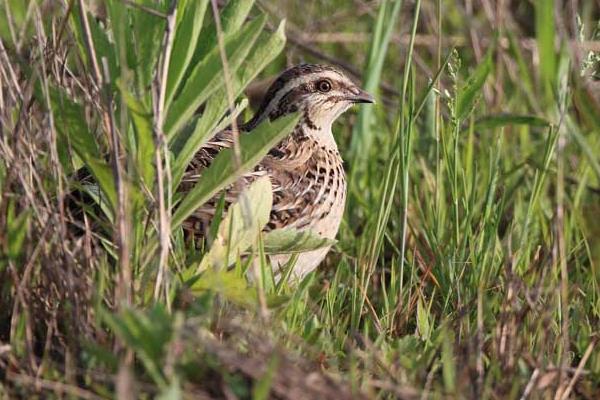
(233, 16)
(71, 123)
(544, 33)
(207, 76)
(144, 140)
(362, 137)
(267, 47)
(191, 17)
(470, 91)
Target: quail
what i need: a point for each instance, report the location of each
(305, 169)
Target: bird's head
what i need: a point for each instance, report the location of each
(320, 92)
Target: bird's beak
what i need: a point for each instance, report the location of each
(361, 97)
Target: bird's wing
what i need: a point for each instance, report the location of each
(300, 181)
(198, 223)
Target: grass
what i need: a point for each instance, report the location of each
(467, 262)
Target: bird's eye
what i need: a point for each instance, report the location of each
(324, 86)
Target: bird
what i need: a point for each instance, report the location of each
(305, 169)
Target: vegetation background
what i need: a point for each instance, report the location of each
(467, 265)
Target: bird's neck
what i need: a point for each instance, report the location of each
(316, 130)
(311, 126)
(322, 136)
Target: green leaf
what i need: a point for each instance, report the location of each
(448, 361)
(148, 32)
(243, 223)
(584, 144)
(362, 136)
(208, 76)
(103, 174)
(147, 333)
(229, 284)
(17, 226)
(189, 141)
(544, 33)
(104, 48)
(232, 16)
(17, 17)
(144, 138)
(262, 387)
(222, 172)
(190, 18)
(71, 124)
(285, 241)
(500, 120)
(423, 324)
(173, 391)
(216, 221)
(266, 49)
(470, 91)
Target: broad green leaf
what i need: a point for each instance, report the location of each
(189, 141)
(500, 120)
(225, 122)
(147, 333)
(241, 226)
(229, 284)
(222, 172)
(232, 16)
(104, 48)
(285, 241)
(470, 91)
(71, 124)
(190, 18)
(208, 76)
(144, 138)
(148, 31)
(103, 174)
(93, 191)
(267, 47)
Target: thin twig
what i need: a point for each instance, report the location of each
(58, 388)
(579, 370)
(91, 51)
(530, 384)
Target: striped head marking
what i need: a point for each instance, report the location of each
(320, 92)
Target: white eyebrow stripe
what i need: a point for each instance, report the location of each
(303, 79)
